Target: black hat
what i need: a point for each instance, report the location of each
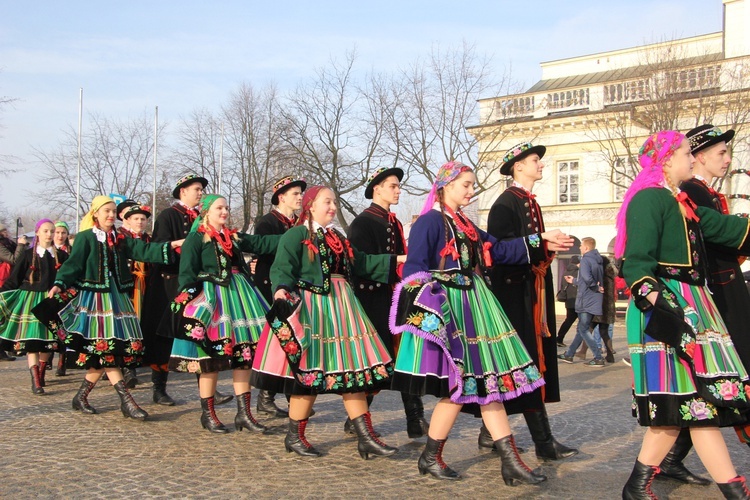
(138, 209)
(285, 183)
(518, 153)
(379, 176)
(706, 136)
(186, 181)
(123, 205)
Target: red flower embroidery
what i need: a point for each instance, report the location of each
(137, 345)
(109, 358)
(690, 349)
(181, 298)
(508, 382)
(291, 348)
(101, 345)
(82, 358)
(228, 349)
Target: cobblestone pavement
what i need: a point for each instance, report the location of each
(51, 451)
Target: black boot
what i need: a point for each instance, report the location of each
(348, 426)
(219, 398)
(638, 486)
(36, 385)
(485, 439)
(244, 417)
(368, 442)
(266, 404)
(43, 365)
(159, 381)
(61, 369)
(416, 425)
(673, 468)
(128, 406)
(80, 400)
(547, 447)
(129, 377)
(513, 469)
(734, 489)
(295, 440)
(431, 460)
(209, 420)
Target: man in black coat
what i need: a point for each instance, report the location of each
(286, 199)
(528, 295)
(376, 231)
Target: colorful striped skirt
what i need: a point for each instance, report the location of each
(219, 328)
(103, 329)
(20, 331)
(712, 390)
(457, 343)
(329, 346)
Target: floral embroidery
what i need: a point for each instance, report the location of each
(696, 259)
(193, 367)
(670, 298)
(695, 275)
(727, 390)
(520, 378)
(508, 384)
(651, 410)
(490, 383)
(672, 270)
(470, 386)
(645, 289)
(534, 240)
(692, 236)
(697, 409)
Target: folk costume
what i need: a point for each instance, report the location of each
(63, 350)
(139, 270)
(527, 295)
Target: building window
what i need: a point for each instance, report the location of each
(622, 176)
(567, 181)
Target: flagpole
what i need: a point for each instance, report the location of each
(156, 145)
(221, 157)
(78, 169)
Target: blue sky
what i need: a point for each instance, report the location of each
(132, 56)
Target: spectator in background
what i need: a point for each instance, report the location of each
(571, 290)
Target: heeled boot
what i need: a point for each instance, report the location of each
(244, 417)
(219, 397)
(735, 489)
(295, 440)
(128, 406)
(209, 420)
(129, 377)
(159, 381)
(368, 442)
(61, 369)
(513, 469)
(267, 404)
(348, 427)
(485, 440)
(42, 371)
(673, 468)
(545, 444)
(431, 460)
(416, 425)
(81, 401)
(36, 384)
(638, 486)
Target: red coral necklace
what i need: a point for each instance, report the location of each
(462, 223)
(334, 241)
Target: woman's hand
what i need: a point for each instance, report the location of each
(177, 243)
(53, 291)
(651, 297)
(557, 241)
(281, 294)
(400, 259)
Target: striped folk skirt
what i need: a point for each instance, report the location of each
(712, 390)
(329, 346)
(219, 328)
(20, 331)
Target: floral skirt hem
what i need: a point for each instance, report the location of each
(190, 357)
(32, 345)
(290, 385)
(668, 410)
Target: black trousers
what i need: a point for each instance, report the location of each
(570, 318)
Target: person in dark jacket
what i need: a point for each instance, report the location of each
(607, 317)
(571, 290)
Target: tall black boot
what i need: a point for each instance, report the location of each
(348, 426)
(547, 447)
(638, 486)
(266, 404)
(368, 442)
(209, 420)
(513, 469)
(80, 400)
(431, 460)
(219, 397)
(159, 381)
(128, 406)
(244, 417)
(295, 440)
(129, 377)
(36, 385)
(42, 371)
(673, 468)
(416, 425)
(735, 489)
(61, 368)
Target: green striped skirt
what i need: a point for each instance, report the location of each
(20, 331)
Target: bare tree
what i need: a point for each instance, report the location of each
(198, 145)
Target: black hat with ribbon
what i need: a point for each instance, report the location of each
(186, 181)
(379, 176)
(706, 136)
(518, 153)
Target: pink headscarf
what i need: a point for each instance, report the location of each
(36, 228)
(446, 174)
(654, 153)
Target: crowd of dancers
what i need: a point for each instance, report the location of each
(463, 314)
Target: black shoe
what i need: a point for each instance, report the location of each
(513, 469)
(295, 440)
(220, 399)
(80, 400)
(735, 488)
(560, 343)
(4, 356)
(129, 378)
(244, 418)
(565, 359)
(209, 420)
(416, 425)
(638, 486)
(672, 466)
(545, 444)
(36, 385)
(431, 460)
(368, 442)
(128, 406)
(159, 381)
(267, 404)
(598, 363)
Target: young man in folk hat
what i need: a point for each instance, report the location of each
(129, 375)
(377, 231)
(286, 200)
(528, 295)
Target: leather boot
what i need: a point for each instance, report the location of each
(431, 460)
(266, 404)
(61, 369)
(219, 397)
(244, 417)
(734, 489)
(159, 381)
(547, 447)
(80, 400)
(416, 425)
(610, 357)
(128, 406)
(485, 440)
(638, 486)
(295, 440)
(368, 442)
(209, 420)
(129, 377)
(36, 384)
(42, 370)
(513, 470)
(673, 468)
(348, 426)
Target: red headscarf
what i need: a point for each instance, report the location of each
(307, 200)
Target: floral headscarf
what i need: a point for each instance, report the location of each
(88, 220)
(445, 175)
(654, 153)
